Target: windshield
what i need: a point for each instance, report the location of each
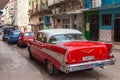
(28, 34)
(7, 31)
(16, 33)
(66, 38)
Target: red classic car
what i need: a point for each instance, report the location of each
(67, 50)
(24, 37)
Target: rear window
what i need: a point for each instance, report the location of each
(66, 38)
(16, 33)
(28, 34)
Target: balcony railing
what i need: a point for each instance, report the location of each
(35, 10)
(53, 2)
(57, 3)
(38, 9)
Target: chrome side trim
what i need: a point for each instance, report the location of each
(57, 56)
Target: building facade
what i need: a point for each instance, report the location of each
(109, 15)
(37, 10)
(9, 8)
(1, 21)
(21, 20)
(66, 14)
(101, 22)
(17, 15)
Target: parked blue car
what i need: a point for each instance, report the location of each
(6, 33)
(13, 36)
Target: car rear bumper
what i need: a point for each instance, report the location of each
(24, 43)
(87, 65)
(14, 41)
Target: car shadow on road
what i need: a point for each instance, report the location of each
(79, 75)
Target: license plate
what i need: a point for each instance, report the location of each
(87, 58)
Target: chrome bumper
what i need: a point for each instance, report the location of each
(87, 65)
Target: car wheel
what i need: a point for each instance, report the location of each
(51, 69)
(30, 54)
(9, 41)
(3, 39)
(18, 45)
(90, 69)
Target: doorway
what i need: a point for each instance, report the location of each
(94, 27)
(117, 30)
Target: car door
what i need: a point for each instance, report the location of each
(20, 38)
(38, 46)
(9, 36)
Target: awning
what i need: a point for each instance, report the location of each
(3, 3)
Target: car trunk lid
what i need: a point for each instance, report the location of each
(85, 51)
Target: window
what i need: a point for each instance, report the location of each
(28, 34)
(20, 35)
(106, 19)
(53, 40)
(66, 23)
(16, 33)
(66, 38)
(41, 37)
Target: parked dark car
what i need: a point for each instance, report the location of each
(24, 37)
(13, 36)
(6, 33)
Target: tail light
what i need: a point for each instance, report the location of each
(65, 57)
(109, 49)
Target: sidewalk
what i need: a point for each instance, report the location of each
(116, 46)
(14, 67)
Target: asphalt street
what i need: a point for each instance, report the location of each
(16, 65)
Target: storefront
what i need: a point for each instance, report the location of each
(91, 25)
(110, 24)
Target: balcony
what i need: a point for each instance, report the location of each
(35, 10)
(57, 3)
(53, 2)
(39, 9)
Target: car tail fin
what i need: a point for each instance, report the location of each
(109, 47)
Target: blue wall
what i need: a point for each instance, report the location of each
(108, 11)
(88, 3)
(117, 1)
(107, 2)
(110, 2)
(46, 22)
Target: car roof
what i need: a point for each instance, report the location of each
(28, 32)
(52, 32)
(9, 28)
(16, 31)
